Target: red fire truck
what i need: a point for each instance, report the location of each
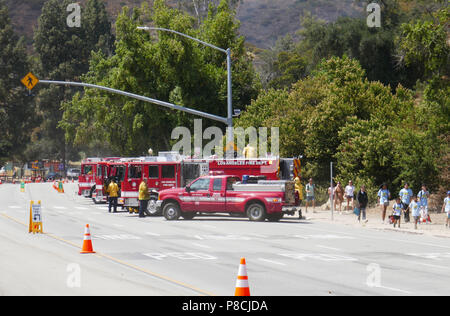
(161, 175)
(86, 180)
(106, 170)
(224, 194)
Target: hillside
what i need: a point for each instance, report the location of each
(262, 21)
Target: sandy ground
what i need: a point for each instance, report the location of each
(436, 228)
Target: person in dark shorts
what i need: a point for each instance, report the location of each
(398, 209)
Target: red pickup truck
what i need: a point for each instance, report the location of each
(225, 194)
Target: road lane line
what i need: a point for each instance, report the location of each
(271, 261)
(329, 248)
(201, 246)
(392, 289)
(102, 255)
(152, 234)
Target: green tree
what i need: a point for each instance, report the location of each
(166, 67)
(16, 108)
(63, 53)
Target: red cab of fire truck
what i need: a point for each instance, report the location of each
(86, 180)
(261, 200)
(111, 168)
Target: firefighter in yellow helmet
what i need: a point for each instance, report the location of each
(299, 192)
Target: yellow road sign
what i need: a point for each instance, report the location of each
(29, 81)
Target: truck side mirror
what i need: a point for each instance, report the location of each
(188, 189)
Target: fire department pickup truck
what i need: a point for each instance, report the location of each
(225, 194)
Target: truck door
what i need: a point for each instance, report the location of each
(168, 176)
(216, 201)
(198, 197)
(134, 176)
(154, 182)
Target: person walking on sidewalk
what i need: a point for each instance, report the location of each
(363, 200)
(309, 188)
(338, 197)
(383, 200)
(446, 207)
(406, 195)
(349, 195)
(398, 209)
(415, 210)
(423, 196)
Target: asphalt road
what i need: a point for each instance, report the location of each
(152, 256)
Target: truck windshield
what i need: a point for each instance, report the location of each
(87, 169)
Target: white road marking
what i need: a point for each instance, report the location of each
(392, 289)
(326, 236)
(329, 248)
(429, 265)
(117, 225)
(60, 207)
(180, 255)
(152, 234)
(81, 208)
(14, 206)
(317, 256)
(117, 237)
(271, 261)
(431, 256)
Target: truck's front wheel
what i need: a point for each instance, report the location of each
(171, 211)
(256, 212)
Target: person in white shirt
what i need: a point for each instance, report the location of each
(398, 209)
(446, 207)
(415, 210)
(349, 195)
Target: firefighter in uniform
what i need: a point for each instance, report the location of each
(299, 192)
(113, 192)
(143, 198)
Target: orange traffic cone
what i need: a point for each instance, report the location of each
(242, 287)
(87, 242)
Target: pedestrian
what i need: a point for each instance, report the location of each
(299, 193)
(423, 196)
(113, 192)
(309, 188)
(349, 192)
(414, 206)
(406, 195)
(362, 199)
(446, 208)
(144, 197)
(338, 196)
(383, 200)
(397, 214)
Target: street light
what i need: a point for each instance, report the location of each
(230, 135)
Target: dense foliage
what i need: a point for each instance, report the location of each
(375, 101)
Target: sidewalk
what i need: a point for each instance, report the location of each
(436, 228)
